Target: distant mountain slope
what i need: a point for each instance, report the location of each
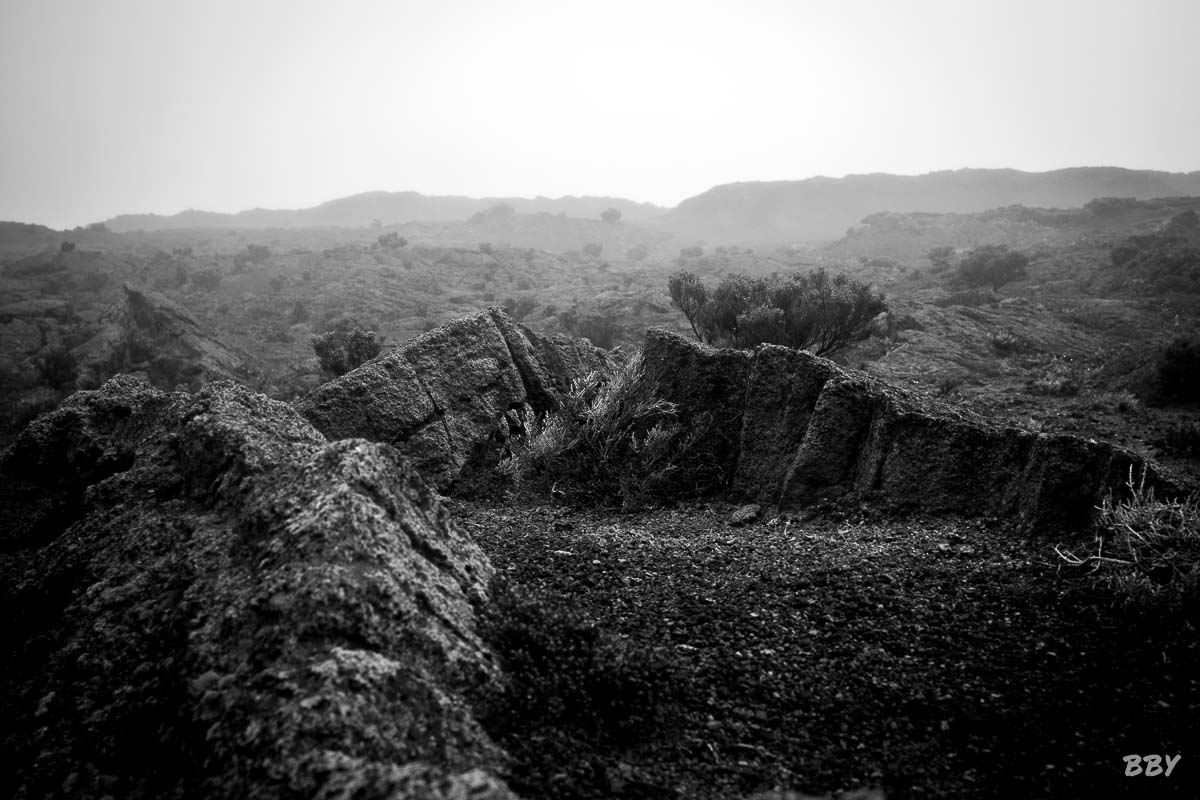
(823, 208)
(387, 207)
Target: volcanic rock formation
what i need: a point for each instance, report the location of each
(790, 429)
(205, 598)
(444, 396)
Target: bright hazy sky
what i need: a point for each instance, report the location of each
(125, 106)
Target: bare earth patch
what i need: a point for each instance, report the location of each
(933, 658)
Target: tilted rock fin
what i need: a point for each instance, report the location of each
(444, 394)
(792, 429)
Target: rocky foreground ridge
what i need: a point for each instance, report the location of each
(219, 595)
(789, 429)
(205, 598)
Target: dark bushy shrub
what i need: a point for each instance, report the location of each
(57, 369)
(805, 310)
(340, 351)
(993, 264)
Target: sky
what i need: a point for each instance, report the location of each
(156, 106)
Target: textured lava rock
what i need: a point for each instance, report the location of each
(205, 598)
(448, 394)
(791, 429)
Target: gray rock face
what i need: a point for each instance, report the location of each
(448, 393)
(207, 599)
(791, 429)
(149, 333)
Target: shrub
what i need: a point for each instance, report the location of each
(593, 249)
(638, 252)
(298, 314)
(519, 308)
(993, 264)
(252, 254)
(66, 247)
(340, 351)
(391, 241)
(941, 258)
(610, 215)
(1004, 342)
(609, 439)
(691, 252)
(1178, 369)
(1145, 548)
(805, 310)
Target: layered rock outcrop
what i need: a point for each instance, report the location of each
(156, 337)
(205, 598)
(444, 396)
(790, 429)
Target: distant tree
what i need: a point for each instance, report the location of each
(340, 351)
(66, 247)
(637, 253)
(813, 311)
(689, 295)
(993, 264)
(392, 241)
(98, 227)
(941, 257)
(593, 250)
(611, 215)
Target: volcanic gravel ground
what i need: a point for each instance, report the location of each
(942, 658)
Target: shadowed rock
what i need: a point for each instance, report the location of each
(792, 429)
(205, 598)
(444, 396)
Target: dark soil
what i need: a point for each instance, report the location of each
(940, 659)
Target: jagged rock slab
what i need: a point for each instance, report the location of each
(445, 395)
(205, 598)
(150, 333)
(790, 429)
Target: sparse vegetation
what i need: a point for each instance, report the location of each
(805, 310)
(1146, 548)
(1178, 369)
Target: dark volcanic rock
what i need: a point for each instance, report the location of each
(205, 598)
(445, 395)
(793, 430)
(151, 334)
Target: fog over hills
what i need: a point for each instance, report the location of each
(386, 207)
(823, 208)
(813, 209)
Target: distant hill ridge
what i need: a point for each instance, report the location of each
(823, 208)
(388, 207)
(812, 209)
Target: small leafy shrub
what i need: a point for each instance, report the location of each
(948, 386)
(1178, 369)
(340, 351)
(593, 249)
(251, 254)
(638, 252)
(691, 252)
(1060, 379)
(519, 307)
(1181, 439)
(391, 241)
(941, 258)
(1005, 343)
(598, 329)
(1145, 548)
(611, 215)
(609, 439)
(1124, 402)
(564, 672)
(66, 247)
